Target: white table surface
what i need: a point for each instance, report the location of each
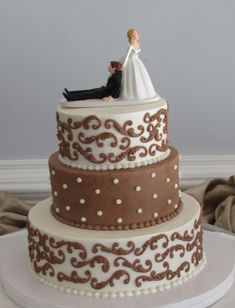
(225, 302)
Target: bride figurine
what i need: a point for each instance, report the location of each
(136, 83)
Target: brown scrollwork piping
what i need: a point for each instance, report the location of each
(153, 244)
(135, 266)
(92, 262)
(115, 248)
(74, 277)
(115, 276)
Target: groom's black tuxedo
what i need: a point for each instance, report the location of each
(112, 88)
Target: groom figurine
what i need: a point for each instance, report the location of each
(106, 93)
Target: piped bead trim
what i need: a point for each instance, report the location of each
(156, 220)
(125, 165)
(134, 292)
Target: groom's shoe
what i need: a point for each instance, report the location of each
(66, 95)
(66, 90)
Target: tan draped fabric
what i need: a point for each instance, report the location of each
(13, 213)
(217, 197)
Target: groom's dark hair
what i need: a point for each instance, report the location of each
(116, 65)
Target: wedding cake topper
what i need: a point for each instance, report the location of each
(136, 83)
(106, 93)
(128, 81)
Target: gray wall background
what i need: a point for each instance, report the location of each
(188, 47)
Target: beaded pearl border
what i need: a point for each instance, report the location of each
(132, 293)
(124, 165)
(121, 226)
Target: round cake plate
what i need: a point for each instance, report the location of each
(211, 284)
(96, 103)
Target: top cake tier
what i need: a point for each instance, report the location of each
(106, 138)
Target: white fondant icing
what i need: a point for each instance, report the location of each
(120, 115)
(41, 219)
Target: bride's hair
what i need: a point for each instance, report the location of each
(130, 34)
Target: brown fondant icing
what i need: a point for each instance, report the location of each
(116, 206)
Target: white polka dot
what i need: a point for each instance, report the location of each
(176, 186)
(175, 206)
(155, 196)
(83, 219)
(155, 214)
(97, 191)
(168, 180)
(115, 181)
(67, 208)
(99, 213)
(118, 201)
(175, 167)
(153, 174)
(65, 186)
(53, 172)
(79, 180)
(57, 210)
(139, 211)
(119, 220)
(82, 201)
(138, 188)
(55, 193)
(169, 201)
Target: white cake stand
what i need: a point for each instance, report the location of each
(203, 290)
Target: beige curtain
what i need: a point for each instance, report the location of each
(13, 213)
(217, 198)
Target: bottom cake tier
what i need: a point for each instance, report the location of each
(115, 263)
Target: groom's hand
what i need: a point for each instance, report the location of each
(107, 98)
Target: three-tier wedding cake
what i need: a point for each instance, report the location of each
(117, 224)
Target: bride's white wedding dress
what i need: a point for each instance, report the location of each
(136, 83)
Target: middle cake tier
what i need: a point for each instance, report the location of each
(118, 199)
